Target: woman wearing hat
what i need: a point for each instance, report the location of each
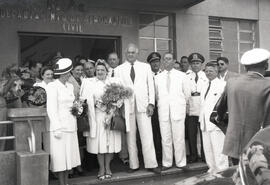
(100, 141)
(64, 147)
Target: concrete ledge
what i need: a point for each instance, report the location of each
(32, 169)
(8, 168)
(26, 112)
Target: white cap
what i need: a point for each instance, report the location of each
(255, 56)
(62, 66)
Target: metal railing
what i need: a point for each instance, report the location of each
(5, 138)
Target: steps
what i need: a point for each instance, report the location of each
(141, 174)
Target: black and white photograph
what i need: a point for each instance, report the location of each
(134, 92)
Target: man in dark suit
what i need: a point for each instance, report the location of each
(224, 73)
(248, 98)
(154, 60)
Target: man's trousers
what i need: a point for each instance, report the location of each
(146, 136)
(213, 144)
(193, 125)
(173, 142)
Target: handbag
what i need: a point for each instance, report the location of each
(82, 120)
(83, 123)
(118, 123)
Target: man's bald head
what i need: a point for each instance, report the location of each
(132, 52)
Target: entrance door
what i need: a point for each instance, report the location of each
(44, 47)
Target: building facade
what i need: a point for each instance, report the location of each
(41, 29)
(37, 30)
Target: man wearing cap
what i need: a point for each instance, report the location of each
(172, 94)
(224, 73)
(154, 60)
(248, 98)
(140, 107)
(196, 78)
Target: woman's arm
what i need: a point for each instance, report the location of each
(52, 108)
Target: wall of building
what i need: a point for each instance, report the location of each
(97, 22)
(192, 30)
(264, 24)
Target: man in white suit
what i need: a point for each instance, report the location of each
(213, 137)
(138, 76)
(172, 93)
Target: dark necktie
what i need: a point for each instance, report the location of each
(196, 78)
(207, 90)
(113, 73)
(132, 73)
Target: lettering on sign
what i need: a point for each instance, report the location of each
(71, 22)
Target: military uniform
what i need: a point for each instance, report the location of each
(154, 119)
(197, 80)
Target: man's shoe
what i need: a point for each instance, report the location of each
(165, 168)
(154, 170)
(132, 170)
(184, 168)
(125, 161)
(192, 160)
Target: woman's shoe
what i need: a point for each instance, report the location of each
(101, 177)
(108, 175)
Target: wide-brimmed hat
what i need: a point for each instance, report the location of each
(62, 66)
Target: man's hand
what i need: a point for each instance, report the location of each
(150, 110)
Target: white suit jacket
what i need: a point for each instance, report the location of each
(88, 84)
(208, 104)
(172, 103)
(194, 101)
(60, 99)
(143, 87)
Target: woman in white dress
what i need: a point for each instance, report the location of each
(64, 147)
(46, 74)
(101, 141)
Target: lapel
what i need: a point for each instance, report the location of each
(213, 91)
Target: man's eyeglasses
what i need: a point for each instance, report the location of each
(221, 64)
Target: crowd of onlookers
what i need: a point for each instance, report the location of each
(170, 108)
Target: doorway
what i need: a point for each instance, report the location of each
(44, 47)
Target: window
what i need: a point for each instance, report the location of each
(230, 38)
(155, 34)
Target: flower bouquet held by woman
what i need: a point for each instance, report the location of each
(112, 100)
(79, 110)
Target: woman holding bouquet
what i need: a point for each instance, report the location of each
(101, 140)
(64, 148)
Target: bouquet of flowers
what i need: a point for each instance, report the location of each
(79, 106)
(113, 98)
(35, 96)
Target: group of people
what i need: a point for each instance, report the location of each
(164, 102)
(171, 103)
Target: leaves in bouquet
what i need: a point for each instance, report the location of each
(36, 96)
(113, 93)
